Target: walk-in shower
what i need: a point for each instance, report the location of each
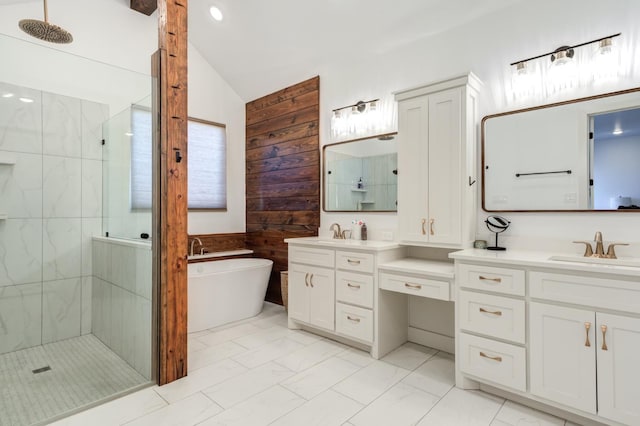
(75, 305)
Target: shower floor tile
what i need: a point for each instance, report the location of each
(82, 371)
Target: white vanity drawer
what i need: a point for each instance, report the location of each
(416, 286)
(354, 261)
(312, 256)
(356, 289)
(354, 322)
(583, 290)
(494, 316)
(490, 278)
(496, 362)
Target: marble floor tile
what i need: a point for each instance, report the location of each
(119, 411)
(400, 405)
(212, 354)
(310, 355)
(239, 388)
(316, 412)
(215, 337)
(436, 376)
(371, 381)
(356, 356)
(519, 415)
(189, 411)
(268, 352)
(200, 379)
(463, 408)
(320, 377)
(409, 356)
(259, 410)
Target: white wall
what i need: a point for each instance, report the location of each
(211, 98)
(487, 47)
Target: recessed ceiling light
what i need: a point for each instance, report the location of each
(128, 134)
(7, 95)
(617, 132)
(216, 13)
(26, 100)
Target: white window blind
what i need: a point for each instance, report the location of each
(207, 149)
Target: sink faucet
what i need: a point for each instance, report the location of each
(599, 247)
(337, 233)
(611, 253)
(193, 242)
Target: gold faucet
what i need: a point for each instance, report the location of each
(599, 253)
(599, 247)
(337, 233)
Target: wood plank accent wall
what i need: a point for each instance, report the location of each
(172, 226)
(219, 242)
(283, 173)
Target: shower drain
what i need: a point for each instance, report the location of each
(41, 369)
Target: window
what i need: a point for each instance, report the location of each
(207, 147)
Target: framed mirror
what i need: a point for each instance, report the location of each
(361, 175)
(578, 155)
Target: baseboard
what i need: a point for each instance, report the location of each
(432, 340)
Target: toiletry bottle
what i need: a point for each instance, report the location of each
(360, 184)
(363, 232)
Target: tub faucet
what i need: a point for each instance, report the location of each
(193, 243)
(337, 233)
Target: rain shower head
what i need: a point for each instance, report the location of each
(44, 30)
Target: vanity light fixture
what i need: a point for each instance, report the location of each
(564, 69)
(363, 118)
(216, 13)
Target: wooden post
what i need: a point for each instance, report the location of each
(172, 199)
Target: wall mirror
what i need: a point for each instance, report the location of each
(579, 155)
(361, 175)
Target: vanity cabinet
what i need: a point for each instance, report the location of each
(573, 332)
(333, 288)
(312, 286)
(436, 162)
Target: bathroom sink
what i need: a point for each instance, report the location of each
(598, 260)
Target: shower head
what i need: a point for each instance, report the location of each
(44, 30)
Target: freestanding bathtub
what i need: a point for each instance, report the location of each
(224, 291)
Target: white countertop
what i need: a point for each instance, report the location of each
(368, 245)
(542, 259)
(432, 268)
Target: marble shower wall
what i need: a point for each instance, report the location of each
(52, 197)
(121, 299)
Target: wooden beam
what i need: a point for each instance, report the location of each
(144, 6)
(172, 226)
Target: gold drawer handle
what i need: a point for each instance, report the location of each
(424, 231)
(353, 285)
(353, 262)
(353, 319)
(495, 358)
(587, 326)
(604, 342)
(496, 313)
(431, 221)
(311, 280)
(497, 280)
(414, 286)
(306, 279)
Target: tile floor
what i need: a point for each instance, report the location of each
(82, 371)
(258, 372)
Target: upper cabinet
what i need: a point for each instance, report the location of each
(436, 162)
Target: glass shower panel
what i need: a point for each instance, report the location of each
(75, 307)
(127, 172)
